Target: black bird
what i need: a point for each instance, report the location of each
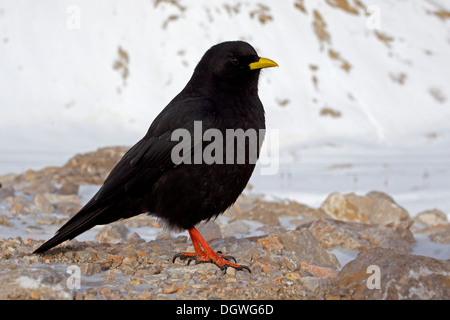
(222, 94)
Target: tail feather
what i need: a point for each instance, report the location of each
(81, 222)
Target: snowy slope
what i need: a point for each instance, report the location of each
(58, 59)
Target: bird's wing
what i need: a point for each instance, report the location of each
(151, 156)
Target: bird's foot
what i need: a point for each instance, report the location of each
(219, 259)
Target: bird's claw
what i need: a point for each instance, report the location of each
(222, 261)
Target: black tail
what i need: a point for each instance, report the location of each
(81, 222)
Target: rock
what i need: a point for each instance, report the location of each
(67, 208)
(8, 180)
(6, 192)
(375, 207)
(271, 243)
(307, 248)
(4, 221)
(91, 167)
(39, 187)
(319, 271)
(113, 233)
(69, 187)
(30, 282)
(210, 230)
(19, 205)
(42, 204)
(314, 284)
(269, 212)
(353, 235)
(431, 218)
(89, 269)
(46, 220)
(441, 237)
(135, 238)
(55, 198)
(249, 255)
(267, 264)
(402, 276)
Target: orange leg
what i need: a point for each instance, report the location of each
(204, 254)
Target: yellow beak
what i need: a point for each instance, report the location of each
(262, 63)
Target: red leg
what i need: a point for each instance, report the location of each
(203, 253)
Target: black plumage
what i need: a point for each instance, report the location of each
(223, 94)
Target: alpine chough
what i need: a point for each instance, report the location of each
(221, 97)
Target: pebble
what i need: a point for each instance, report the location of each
(42, 204)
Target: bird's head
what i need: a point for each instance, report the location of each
(231, 64)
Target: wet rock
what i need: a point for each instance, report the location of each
(401, 276)
(307, 248)
(353, 235)
(431, 218)
(113, 233)
(42, 204)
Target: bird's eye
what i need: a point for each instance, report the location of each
(235, 61)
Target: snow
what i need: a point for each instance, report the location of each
(60, 94)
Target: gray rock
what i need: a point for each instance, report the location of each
(401, 276)
(353, 235)
(6, 192)
(376, 207)
(89, 269)
(307, 248)
(39, 187)
(314, 284)
(441, 236)
(210, 230)
(4, 221)
(42, 204)
(69, 187)
(113, 233)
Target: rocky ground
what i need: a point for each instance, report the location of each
(291, 249)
